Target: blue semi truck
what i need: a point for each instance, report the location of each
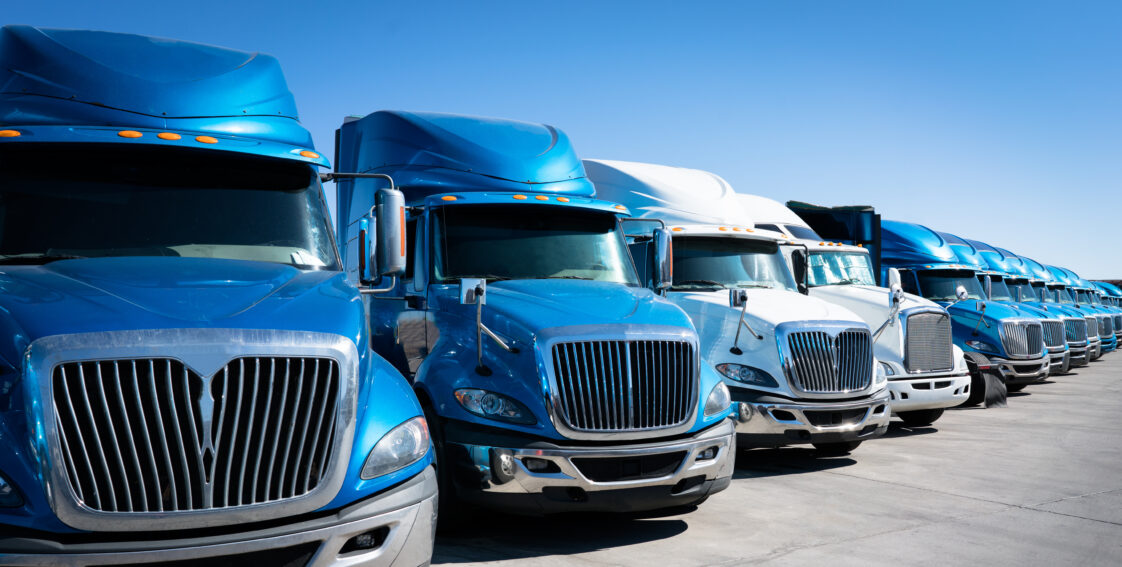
(554, 381)
(1053, 291)
(1007, 337)
(1075, 293)
(991, 274)
(1111, 295)
(1021, 282)
(185, 371)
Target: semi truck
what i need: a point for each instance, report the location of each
(185, 372)
(1112, 295)
(1068, 293)
(926, 372)
(996, 290)
(801, 370)
(1087, 293)
(1025, 285)
(1054, 291)
(553, 380)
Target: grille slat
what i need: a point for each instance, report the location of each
(1092, 326)
(928, 343)
(1023, 338)
(1053, 332)
(823, 363)
(1107, 327)
(1075, 330)
(135, 439)
(615, 385)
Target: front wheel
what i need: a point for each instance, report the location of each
(920, 418)
(836, 449)
(977, 389)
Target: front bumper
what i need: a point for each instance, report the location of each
(1023, 371)
(773, 422)
(909, 393)
(1059, 360)
(403, 519)
(1078, 354)
(618, 478)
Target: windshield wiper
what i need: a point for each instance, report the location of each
(754, 285)
(707, 283)
(488, 277)
(560, 278)
(36, 258)
(850, 281)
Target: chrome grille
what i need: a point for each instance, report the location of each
(608, 386)
(1106, 329)
(1053, 332)
(821, 363)
(1022, 338)
(1075, 330)
(1092, 326)
(1117, 323)
(151, 435)
(927, 342)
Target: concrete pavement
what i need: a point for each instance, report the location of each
(1037, 483)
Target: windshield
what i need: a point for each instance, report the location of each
(1001, 291)
(66, 201)
(713, 262)
(940, 285)
(1062, 295)
(839, 268)
(529, 242)
(1023, 291)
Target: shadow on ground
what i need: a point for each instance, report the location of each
(759, 463)
(899, 429)
(492, 536)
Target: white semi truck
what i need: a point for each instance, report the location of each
(913, 344)
(801, 370)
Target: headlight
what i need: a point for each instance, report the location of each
(981, 346)
(887, 369)
(9, 498)
(718, 401)
(494, 406)
(401, 447)
(747, 374)
(880, 375)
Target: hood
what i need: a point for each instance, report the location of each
(873, 297)
(104, 294)
(995, 310)
(520, 309)
(769, 307)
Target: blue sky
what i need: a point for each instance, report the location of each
(998, 121)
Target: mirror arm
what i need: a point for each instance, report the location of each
(742, 323)
(981, 319)
(373, 290)
(333, 176)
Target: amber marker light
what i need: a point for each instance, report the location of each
(448, 198)
(9, 134)
(520, 197)
(206, 139)
(563, 199)
(129, 134)
(168, 136)
(677, 229)
(309, 154)
(723, 228)
(621, 207)
(541, 197)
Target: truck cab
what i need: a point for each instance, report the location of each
(926, 372)
(1111, 296)
(928, 266)
(800, 369)
(991, 273)
(1067, 289)
(554, 380)
(1025, 284)
(185, 372)
(1088, 294)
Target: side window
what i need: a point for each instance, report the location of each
(768, 227)
(908, 282)
(410, 249)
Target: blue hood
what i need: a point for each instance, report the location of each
(104, 294)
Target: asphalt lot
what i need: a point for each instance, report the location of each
(1037, 483)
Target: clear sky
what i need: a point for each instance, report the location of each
(998, 121)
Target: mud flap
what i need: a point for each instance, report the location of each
(993, 378)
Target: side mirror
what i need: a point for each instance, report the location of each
(664, 259)
(799, 268)
(389, 254)
(989, 287)
(961, 293)
(472, 291)
(737, 298)
(893, 278)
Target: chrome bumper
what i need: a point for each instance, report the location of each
(502, 477)
(771, 424)
(1059, 361)
(908, 393)
(404, 517)
(1079, 354)
(1023, 371)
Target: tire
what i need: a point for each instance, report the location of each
(920, 418)
(977, 389)
(450, 514)
(836, 449)
(1015, 387)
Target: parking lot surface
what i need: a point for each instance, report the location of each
(1036, 483)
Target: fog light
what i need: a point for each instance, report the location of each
(708, 454)
(366, 541)
(537, 465)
